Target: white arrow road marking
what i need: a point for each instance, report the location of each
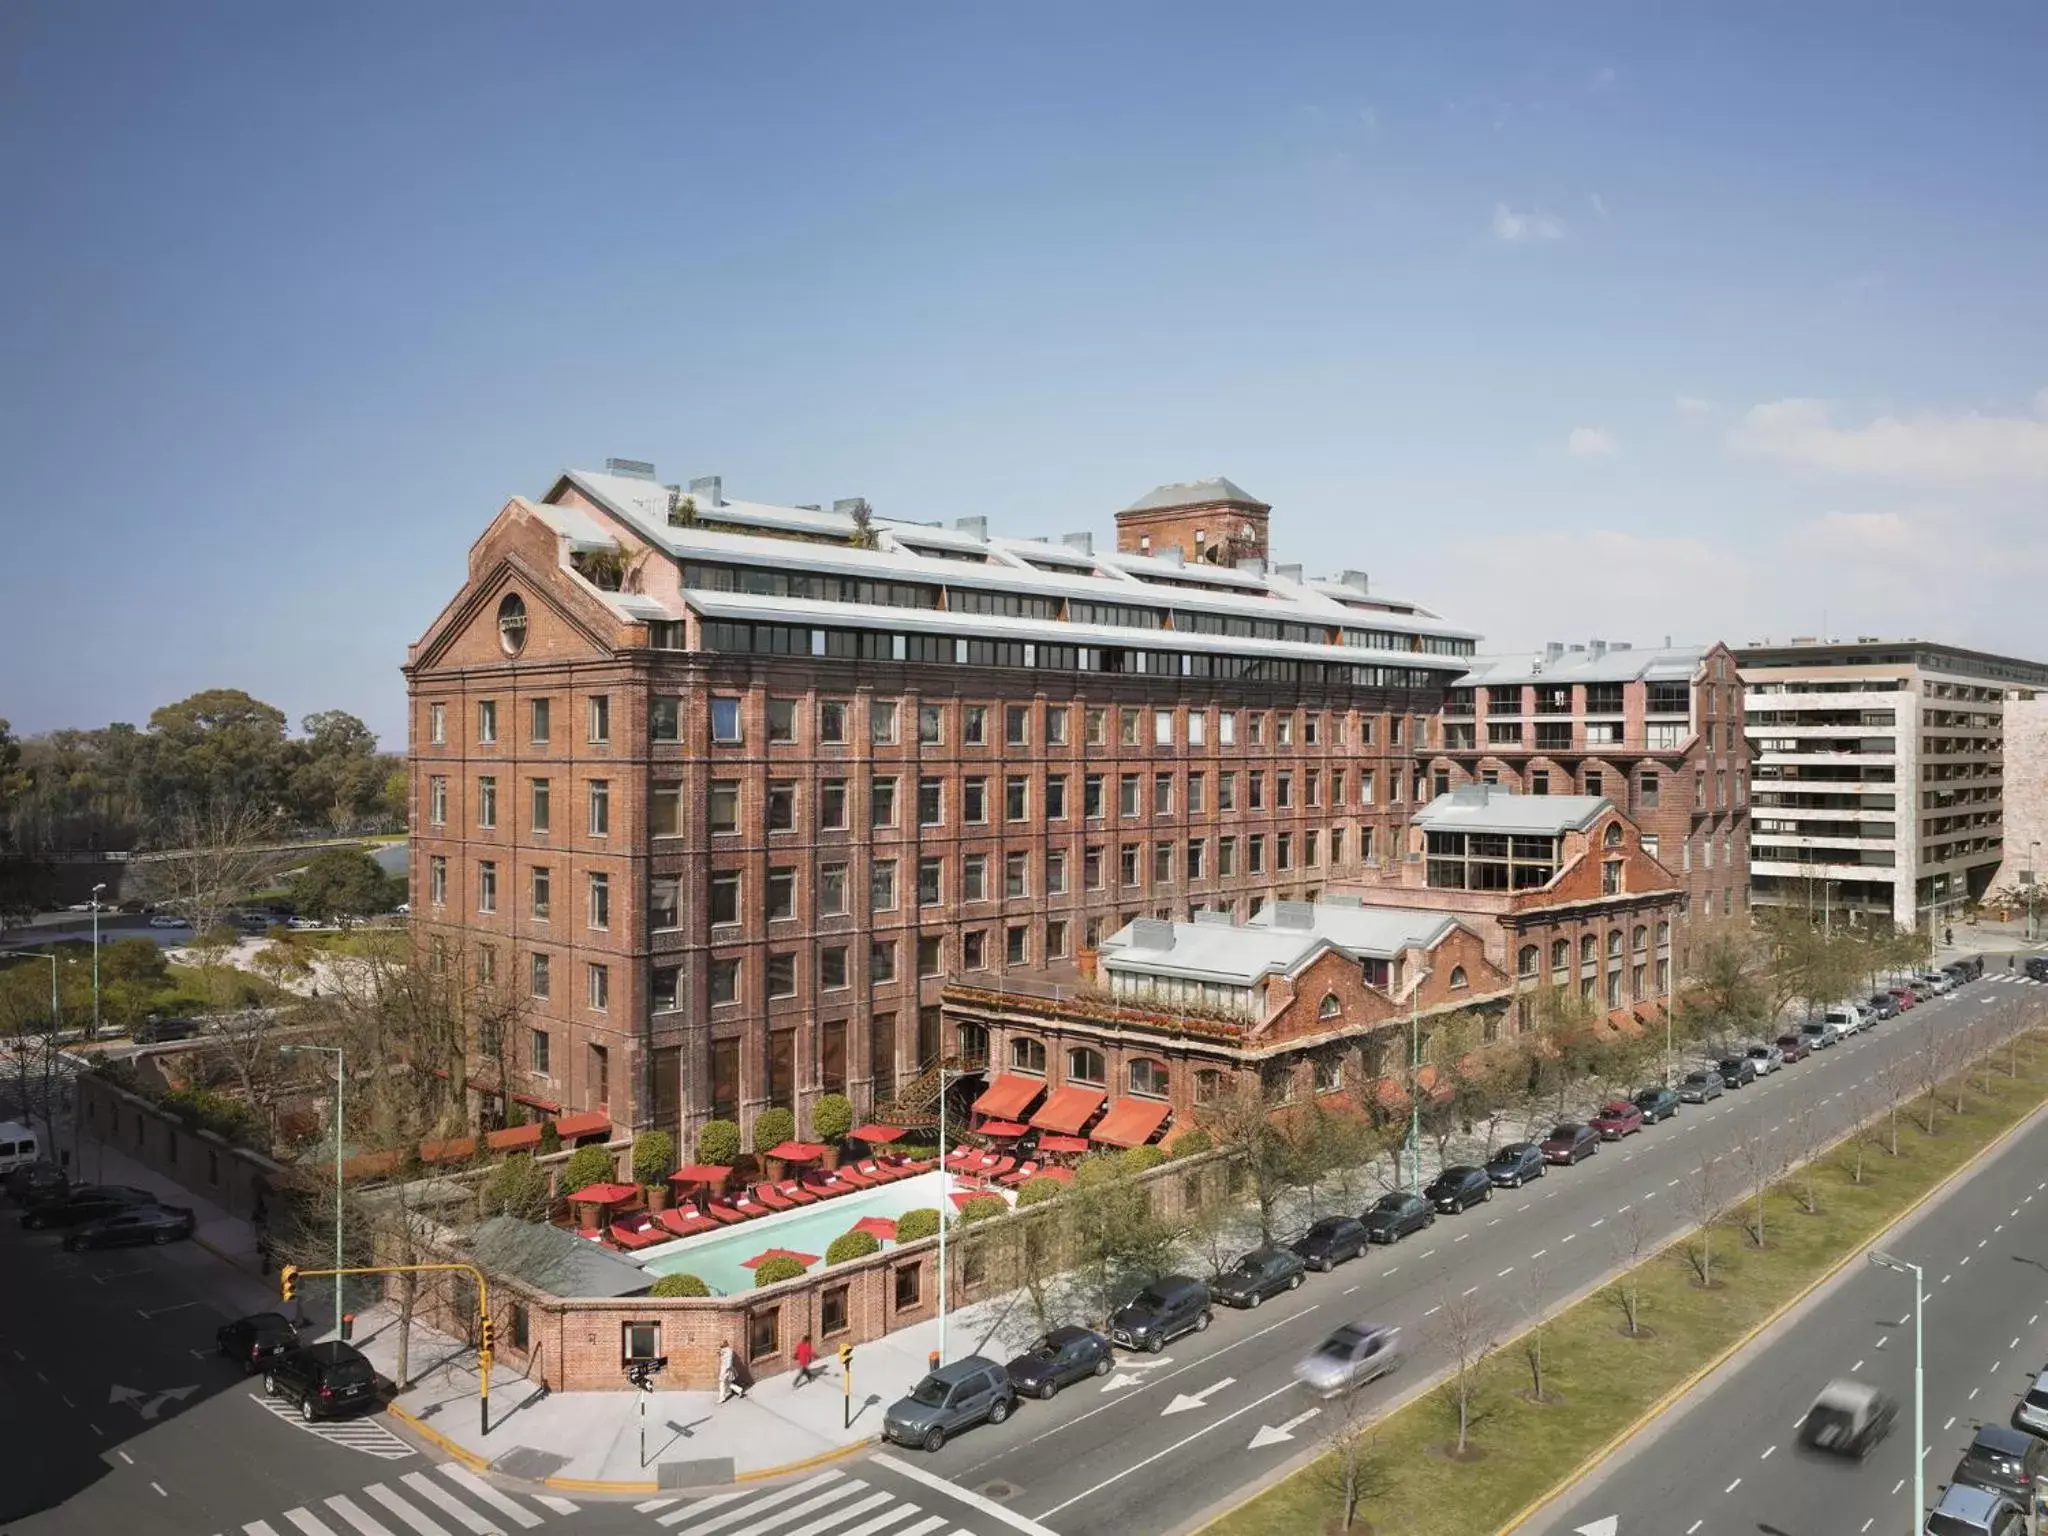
(125, 1395)
(1119, 1381)
(1606, 1525)
(1186, 1400)
(1268, 1435)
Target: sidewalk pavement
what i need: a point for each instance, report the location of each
(593, 1441)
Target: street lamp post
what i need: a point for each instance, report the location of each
(1886, 1261)
(96, 960)
(1415, 1083)
(946, 1077)
(56, 1009)
(2033, 848)
(340, 1077)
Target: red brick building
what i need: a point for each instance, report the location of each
(721, 793)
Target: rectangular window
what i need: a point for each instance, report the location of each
(882, 722)
(486, 964)
(1256, 800)
(600, 808)
(1312, 786)
(1336, 846)
(1197, 847)
(1056, 797)
(1162, 863)
(725, 896)
(909, 1286)
(881, 963)
(1283, 851)
(782, 721)
(781, 973)
(537, 1052)
(725, 980)
(538, 980)
(1311, 850)
(1127, 725)
(599, 1076)
(1091, 869)
(539, 890)
(1198, 727)
(1016, 874)
(1162, 727)
(642, 1341)
(832, 890)
(486, 886)
(437, 880)
(931, 725)
(1226, 857)
(1127, 797)
(1198, 795)
(882, 803)
(541, 810)
(725, 719)
(931, 882)
(665, 720)
(1283, 791)
(832, 1055)
(1055, 725)
(666, 812)
(931, 802)
(974, 950)
(1539, 781)
(882, 885)
(832, 722)
(832, 971)
(437, 724)
(974, 808)
(1017, 725)
(1017, 944)
(1257, 854)
(1091, 796)
(664, 988)
(664, 903)
(487, 801)
(1055, 873)
(1095, 728)
(1162, 794)
(600, 718)
(1016, 798)
(486, 721)
(782, 806)
(598, 983)
(781, 894)
(1055, 939)
(974, 725)
(931, 955)
(1226, 792)
(1311, 728)
(974, 878)
(831, 806)
(437, 801)
(599, 906)
(725, 805)
(1127, 863)
(1283, 729)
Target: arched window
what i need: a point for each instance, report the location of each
(1560, 954)
(1028, 1055)
(1613, 838)
(972, 1042)
(1084, 1065)
(1208, 1086)
(1640, 939)
(1148, 1077)
(1458, 978)
(1589, 949)
(1613, 943)
(1663, 933)
(1329, 1007)
(1525, 962)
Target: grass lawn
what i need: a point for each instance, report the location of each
(1602, 1380)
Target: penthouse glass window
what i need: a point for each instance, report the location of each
(1010, 605)
(755, 639)
(808, 586)
(1489, 861)
(1118, 615)
(1194, 622)
(993, 653)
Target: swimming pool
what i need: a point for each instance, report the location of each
(714, 1257)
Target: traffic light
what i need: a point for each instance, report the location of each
(846, 1357)
(288, 1279)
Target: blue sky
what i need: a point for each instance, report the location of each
(1567, 320)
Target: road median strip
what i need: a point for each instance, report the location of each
(1609, 1386)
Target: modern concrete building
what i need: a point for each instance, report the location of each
(1879, 786)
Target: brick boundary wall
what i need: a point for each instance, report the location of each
(232, 1177)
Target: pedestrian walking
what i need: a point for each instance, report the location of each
(728, 1373)
(805, 1357)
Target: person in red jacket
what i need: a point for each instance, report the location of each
(805, 1356)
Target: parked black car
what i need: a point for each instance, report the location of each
(83, 1203)
(36, 1181)
(2005, 1461)
(256, 1339)
(1393, 1217)
(1161, 1312)
(1967, 969)
(133, 1227)
(1256, 1275)
(1515, 1164)
(1736, 1071)
(324, 1379)
(1331, 1241)
(1459, 1187)
(1881, 1005)
(1656, 1104)
(2037, 967)
(1058, 1358)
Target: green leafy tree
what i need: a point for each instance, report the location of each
(772, 1127)
(776, 1270)
(587, 1166)
(851, 1245)
(672, 1287)
(1139, 1160)
(1038, 1190)
(718, 1143)
(983, 1208)
(915, 1224)
(654, 1157)
(832, 1118)
(340, 882)
(518, 1187)
(1192, 1142)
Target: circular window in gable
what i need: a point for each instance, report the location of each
(512, 624)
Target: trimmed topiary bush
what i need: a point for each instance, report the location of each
(679, 1285)
(1039, 1190)
(550, 1139)
(776, 1270)
(654, 1157)
(912, 1225)
(718, 1144)
(587, 1166)
(852, 1245)
(1098, 1168)
(1138, 1159)
(772, 1127)
(517, 1187)
(984, 1208)
(831, 1118)
(1191, 1142)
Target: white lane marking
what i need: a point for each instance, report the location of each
(1538, 1254)
(1897, 1486)
(1767, 1454)
(1505, 1273)
(1429, 1254)
(126, 1457)
(1597, 1223)
(698, 1506)
(1951, 1424)
(159, 1487)
(1349, 1289)
(1694, 1526)
(1473, 1292)
(1733, 1486)
(419, 1520)
(1569, 1236)
(861, 1507)
(1857, 1366)
(1995, 1368)
(1671, 1184)
(468, 1482)
(1086, 1493)
(809, 1506)
(1972, 1397)
(649, 1506)
(435, 1494)
(760, 1506)
(1432, 1312)
(357, 1516)
(559, 1506)
(264, 1527)
(1387, 1274)
(988, 1507)
(2015, 1344)
(1461, 1237)
(304, 1519)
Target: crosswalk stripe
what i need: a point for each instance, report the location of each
(357, 1516)
(259, 1528)
(809, 1506)
(848, 1512)
(649, 1506)
(435, 1494)
(698, 1506)
(755, 1507)
(929, 1523)
(306, 1521)
(419, 1521)
(470, 1483)
(559, 1506)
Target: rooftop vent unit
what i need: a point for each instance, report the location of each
(632, 469)
(850, 506)
(1288, 572)
(1553, 650)
(708, 490)
(1252, 565)
(973, 527)
(1083, 543)
(1355, 580)
(1596, 648)
(808, 506)
(1295, 915)
(1620, 645)
(1151, 933)
(1212, 919)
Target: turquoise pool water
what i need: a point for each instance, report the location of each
(714, 1257)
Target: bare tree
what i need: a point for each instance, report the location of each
(1706, 1201)
(1809, 1141)
(1354, 1467)
(1631, 1241)
(1242, 1121)
(1536, 1291)
(1761, 1159)
(217, 854)
(1463, 1330)
(1894, 1082)
(1931, 1062)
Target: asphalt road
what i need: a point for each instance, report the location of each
(1728, 1462)
(1170, 1438)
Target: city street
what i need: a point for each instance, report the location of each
(1172, 1436)
(1727, 1461)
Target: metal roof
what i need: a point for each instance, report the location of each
(1628, 665)
(1494, 808)
(1231, 955)
(1193, 493)
(551, 1260)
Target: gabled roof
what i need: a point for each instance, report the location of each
(1664, 664)
(1281, 940)
(1494, 808)
(551, 1260)
(1195, 493)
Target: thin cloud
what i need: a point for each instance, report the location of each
(1514, 228)
(1599, 205)
(1693, 406)
(1592, 443)
(1957, 449)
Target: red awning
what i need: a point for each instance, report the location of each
(1068, 1109)
(457, 1150)
(1131, 1122)
(700, 1173)
(545, 1106)
(797, 1152)
(589, 1122)
(805, 1259)
(1063, 1143)
(1001, 1128)
(604, 1194)
(513, 1137)
(1008, 1096)
(876, 1134)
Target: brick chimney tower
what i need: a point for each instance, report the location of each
(1213, 522)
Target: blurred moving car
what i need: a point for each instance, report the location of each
(1348, 1359)
(133, 1228)
(1849, 1418)
(259, 1337)
(1059, 1358)
(81, 1203)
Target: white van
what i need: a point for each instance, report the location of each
(1846, 1017)
(18, 1146)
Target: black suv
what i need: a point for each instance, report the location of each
(1331, 1241)
(1457, 1188)
(1164, 1310)
(83, 1203)
(1393, 1217)
(1515, 1164)
(1736, 1071)
(1256, 1275)
(1656, 1104)
(253, 1340)
(323, 1379)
